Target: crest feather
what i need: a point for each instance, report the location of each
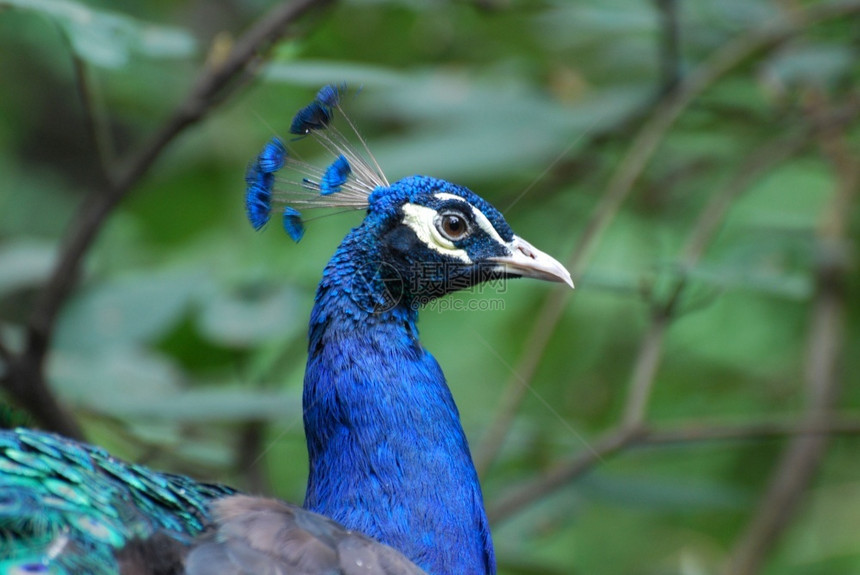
(293, 225)
(346, 183)
(335, 176)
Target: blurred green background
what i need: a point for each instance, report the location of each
(183, 344)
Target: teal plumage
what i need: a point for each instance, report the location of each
(65, 506)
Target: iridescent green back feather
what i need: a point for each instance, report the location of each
(65, 507)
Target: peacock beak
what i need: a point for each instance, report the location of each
(527, 261)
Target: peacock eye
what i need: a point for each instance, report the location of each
(453, 225)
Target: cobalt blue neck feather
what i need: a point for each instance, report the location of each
(388, 456)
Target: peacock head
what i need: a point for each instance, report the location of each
(421, 238)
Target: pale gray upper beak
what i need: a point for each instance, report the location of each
(529, 262)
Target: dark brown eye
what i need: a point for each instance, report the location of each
(453, 226)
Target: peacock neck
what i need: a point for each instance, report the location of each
(388, 456)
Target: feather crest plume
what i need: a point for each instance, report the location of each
(275, 177)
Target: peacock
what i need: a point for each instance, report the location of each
(389, 461)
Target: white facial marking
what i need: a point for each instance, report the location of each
(485, 224)
(444, 196)
(422, 221)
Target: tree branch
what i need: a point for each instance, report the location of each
(249, 462)
(670, 46)
(704, 231)
(621, 439)
(559, 475)
(5, 353)
(645, 144)
(209, 86)
(25, 378)
(95, 117)
(749, 431)
(804, 455)
(632, 425)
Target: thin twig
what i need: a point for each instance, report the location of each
(517, 385)
(645, 368)
(644, 145)
(24, 381)
(620, 440)
(670, 46)
(248, 461)
(25, 378)
(205, 92)
(5, 353)
(632, 425)
(560, 475)
(95, 117)
(802, 458)
(749, 431)
(702, 234)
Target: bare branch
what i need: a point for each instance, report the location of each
(670, 46)
(209, 86)
(25, 378)
(561, 474)
(619, 440)
(249, 464)
(645, 369)
(517, 386)
(703, 232)
(5, 353)
(749, 431)
(632, 425)
(95, 116)
(804, 455)
(644, 145)
(25, 383)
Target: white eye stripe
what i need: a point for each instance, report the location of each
(422, 220)
(482, 220)
(485, 225)
(444, 196)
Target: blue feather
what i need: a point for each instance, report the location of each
(329, 95)
(335, 176)
(258, 195)
(318, 114)
(272, 157)
(314, 116)
(293, 225)
(260, 179)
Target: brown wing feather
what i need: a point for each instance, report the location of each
(258, 536)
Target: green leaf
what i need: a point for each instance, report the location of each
(800, 189)
(24, 264)
(137, 383)
(157, 41)
(666, 494)
(110, 381)
(803, 65)
(129, 310)
(210, 405)
(467, 128)
(315, 73)
(108, 39)
(247, 317)
(794, 287)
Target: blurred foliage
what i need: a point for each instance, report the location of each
(188, 328)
